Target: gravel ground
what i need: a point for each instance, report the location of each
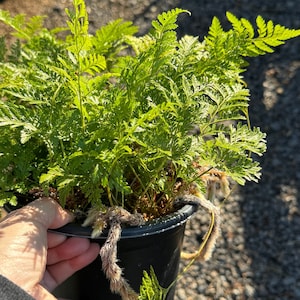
(258, 254)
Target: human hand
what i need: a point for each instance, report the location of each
(37, 260)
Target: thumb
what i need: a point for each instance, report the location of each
(48, 212)
(40, 293)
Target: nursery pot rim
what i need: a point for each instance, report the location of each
(153, 227)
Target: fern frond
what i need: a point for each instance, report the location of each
(140, 44)
(156, 56)
(222, 57)
(237, 24)
(23, 30)
(268, 37)
(271, 35)
(78, 23)
(224, 103)
(166, 21)
(110, 37)
(14, 116)
(215, 28)
(112, 120)
(51, 175)
(93, 63)
(241, 140)
(248, 27)
(16, 123)
(190, 52)
(150, 288)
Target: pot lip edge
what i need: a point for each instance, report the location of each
(154, 227)
(163, 224)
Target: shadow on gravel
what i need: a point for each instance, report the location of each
(270, 210)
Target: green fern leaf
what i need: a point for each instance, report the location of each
(78, 23)
(261, 47)
(269, 36)
(110, 37)
(235, 22)
(51, 175)
(262, 26)
(150, 288)
(23, 30)
(215, 28)
(190, 52)
(93, 63)
(102, 131)
(240, 140)
(224, 103)
(166, 21)
(140, 44)
(248, 28)
(15, 116)
(16, 123)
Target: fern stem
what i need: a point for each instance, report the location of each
(139, 180)
(194, 179)
(155, 177)
(78, 23)
(80, 97)
(62, 148)
(109, 196)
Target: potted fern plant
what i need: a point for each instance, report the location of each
(131, 133)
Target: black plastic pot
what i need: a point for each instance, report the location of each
(157, 244)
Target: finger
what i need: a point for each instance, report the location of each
(57, 273)
(68, 249)
(54, 239)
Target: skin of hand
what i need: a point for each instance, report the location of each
(37, 260)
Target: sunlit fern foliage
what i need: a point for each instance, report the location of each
(150, 288)
(111, 114)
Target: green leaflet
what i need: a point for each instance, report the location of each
(150, 288)
(23, 29)
(167, 20)
(268, 34)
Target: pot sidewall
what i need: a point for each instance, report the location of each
(159, 249)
